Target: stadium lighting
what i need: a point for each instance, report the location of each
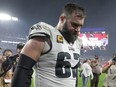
(14, 18)
(7, 17)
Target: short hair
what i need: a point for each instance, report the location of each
(20, 45)
(96, 57)
(114, 59)
(6, 51)
(70, 8)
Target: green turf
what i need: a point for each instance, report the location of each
(80, 81)
(88, 85)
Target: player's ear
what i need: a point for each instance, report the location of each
(62, 19)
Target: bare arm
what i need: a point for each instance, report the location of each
(33, 48)
(28, 57)
(106, 66)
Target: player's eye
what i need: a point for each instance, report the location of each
(75, 25)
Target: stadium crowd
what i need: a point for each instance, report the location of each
(8, 63)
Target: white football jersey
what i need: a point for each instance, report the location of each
(57, 67)
(111, 76)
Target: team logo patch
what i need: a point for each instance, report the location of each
(71, 48)
(59, 39)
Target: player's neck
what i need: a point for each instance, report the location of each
(68, 37)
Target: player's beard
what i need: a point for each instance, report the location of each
(68, 35)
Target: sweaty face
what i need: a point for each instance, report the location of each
(72, 26)
(74, 23)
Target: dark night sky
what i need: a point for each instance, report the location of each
(100, 14)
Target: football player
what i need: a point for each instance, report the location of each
(53, 50)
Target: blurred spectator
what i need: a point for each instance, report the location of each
(110, 69)
(97, 70)
(16, 56)
(86, 72)
(0, 58)
(114, 55)
(9, 62)
(1, 65)
(6, 68)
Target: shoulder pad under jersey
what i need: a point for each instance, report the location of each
(40, 29)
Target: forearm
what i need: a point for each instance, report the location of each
(23, 72)
(105, 67)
